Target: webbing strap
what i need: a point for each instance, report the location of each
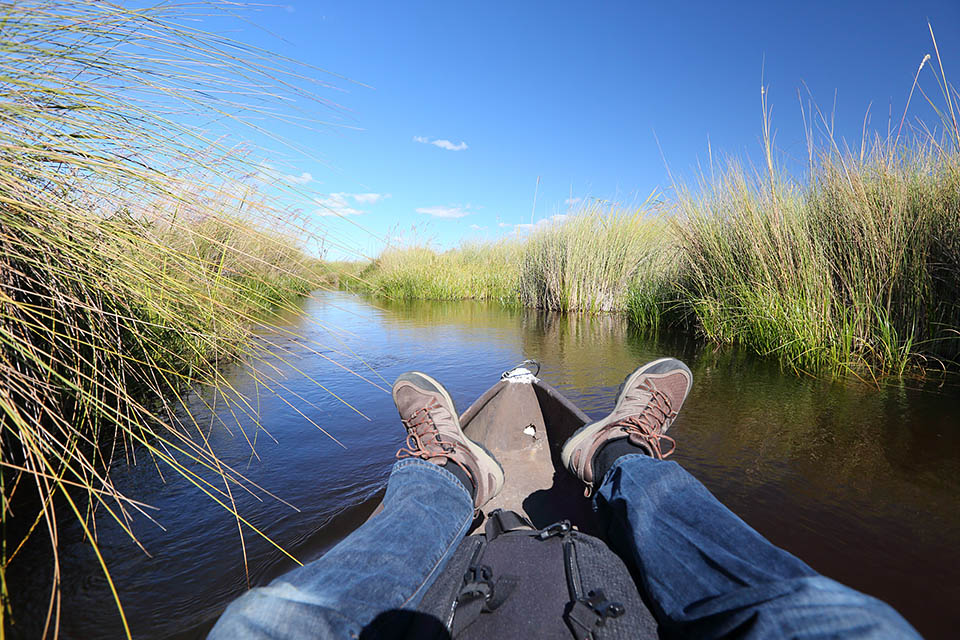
(480, 593)
(501, 521)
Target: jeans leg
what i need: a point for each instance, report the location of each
(386, 564)
(706, 574)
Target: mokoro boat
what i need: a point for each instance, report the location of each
(523, 422)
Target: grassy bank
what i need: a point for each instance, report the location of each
(598, 260)
(135, 257)
(856, 269)
(477, 271)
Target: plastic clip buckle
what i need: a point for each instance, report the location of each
(477, 583)
(556, 529)
(604, 608)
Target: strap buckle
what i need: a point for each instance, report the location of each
(556, 529)
(604, 608)
(477, 582)
(592, 612)
(500, 521)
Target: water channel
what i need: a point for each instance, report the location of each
(862, 483)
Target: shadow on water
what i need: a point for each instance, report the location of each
(861, 483)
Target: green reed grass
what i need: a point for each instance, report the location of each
(596, 260)
(856, 270)
(135, 256)
(474, 271)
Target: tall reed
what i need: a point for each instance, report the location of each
(854, 271)
(134, 255)
(595, 260)
(857, 270)
(474, 271)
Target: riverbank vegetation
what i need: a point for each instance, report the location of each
(474, 271)
(858, 270)
(854, 268)
(135, 257)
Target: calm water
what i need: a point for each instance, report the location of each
(864, 485)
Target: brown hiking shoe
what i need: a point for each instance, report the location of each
(647, 405)
(434, 434)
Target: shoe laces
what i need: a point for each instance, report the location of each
(647, 426)
(425, 442)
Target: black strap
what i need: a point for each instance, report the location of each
(587, 614)
(479, 594)
(501, 521)
(482, 591)
(468, 610)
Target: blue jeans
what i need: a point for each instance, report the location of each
(704, 572)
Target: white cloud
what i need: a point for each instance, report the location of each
(333, 204)
(572, 201)
(449, 146)
(455, 211)
(336, 204)
(442, 143)
(504, 225)
(266, 172)
(368, 198)
(303, 178)
(477, 227)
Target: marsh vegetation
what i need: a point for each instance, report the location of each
(138, 251)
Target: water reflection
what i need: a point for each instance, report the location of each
(861, 483)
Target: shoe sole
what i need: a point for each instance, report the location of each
(476, 448)
(590, 430)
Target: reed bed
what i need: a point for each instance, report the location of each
(857, 270)
(135, 257)
(854, 271)
(596, 260)
(417, 272)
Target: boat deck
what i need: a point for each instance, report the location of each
(524, 422)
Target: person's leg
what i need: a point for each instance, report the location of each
(704, 572)
(386, 564)
(707, 574)
(392, 559)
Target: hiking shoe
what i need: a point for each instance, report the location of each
(647, 405)
(434, 434)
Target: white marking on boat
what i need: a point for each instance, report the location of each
(520, 375)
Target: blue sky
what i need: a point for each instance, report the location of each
(450, 112)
